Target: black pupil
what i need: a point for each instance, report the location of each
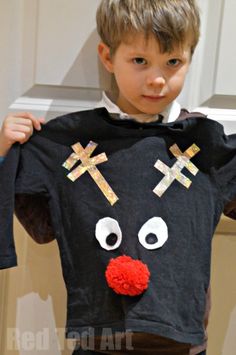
(111, 239)
(151, 238)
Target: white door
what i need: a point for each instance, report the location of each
(48, 66)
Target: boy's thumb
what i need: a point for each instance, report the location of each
(41, 119)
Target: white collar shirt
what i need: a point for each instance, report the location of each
(170, 114)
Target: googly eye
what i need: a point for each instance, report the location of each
(108, 233)
(153, 234)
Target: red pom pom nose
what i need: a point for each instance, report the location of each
(127, 276)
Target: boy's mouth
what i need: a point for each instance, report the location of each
(153, 97)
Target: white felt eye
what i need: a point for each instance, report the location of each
(153, 234)
(108, 233)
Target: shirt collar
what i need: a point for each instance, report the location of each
(170, 114)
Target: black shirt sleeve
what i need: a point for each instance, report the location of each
(8, 170)
(225, 165)
(25, 188)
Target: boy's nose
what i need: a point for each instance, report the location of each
(156, 80)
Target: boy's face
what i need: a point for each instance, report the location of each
(148, 80)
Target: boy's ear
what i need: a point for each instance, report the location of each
(105, 56)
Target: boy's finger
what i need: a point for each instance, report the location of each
(23, 115)
(36, 121)
(22, 128)
(41, 119)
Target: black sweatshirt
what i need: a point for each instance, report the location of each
(34, 183)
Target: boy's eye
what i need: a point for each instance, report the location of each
(173, 62)
(140, 61)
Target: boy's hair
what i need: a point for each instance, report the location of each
(172, 22)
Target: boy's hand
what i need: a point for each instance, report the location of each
(18, 128)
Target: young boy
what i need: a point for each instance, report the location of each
(132, 191)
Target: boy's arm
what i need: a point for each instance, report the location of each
(225, 173)
(33, 212)
(19, 128)
(230, 209)
(27, 188)
(28, 210)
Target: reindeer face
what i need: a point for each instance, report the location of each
(124, 274)
(132, 234)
